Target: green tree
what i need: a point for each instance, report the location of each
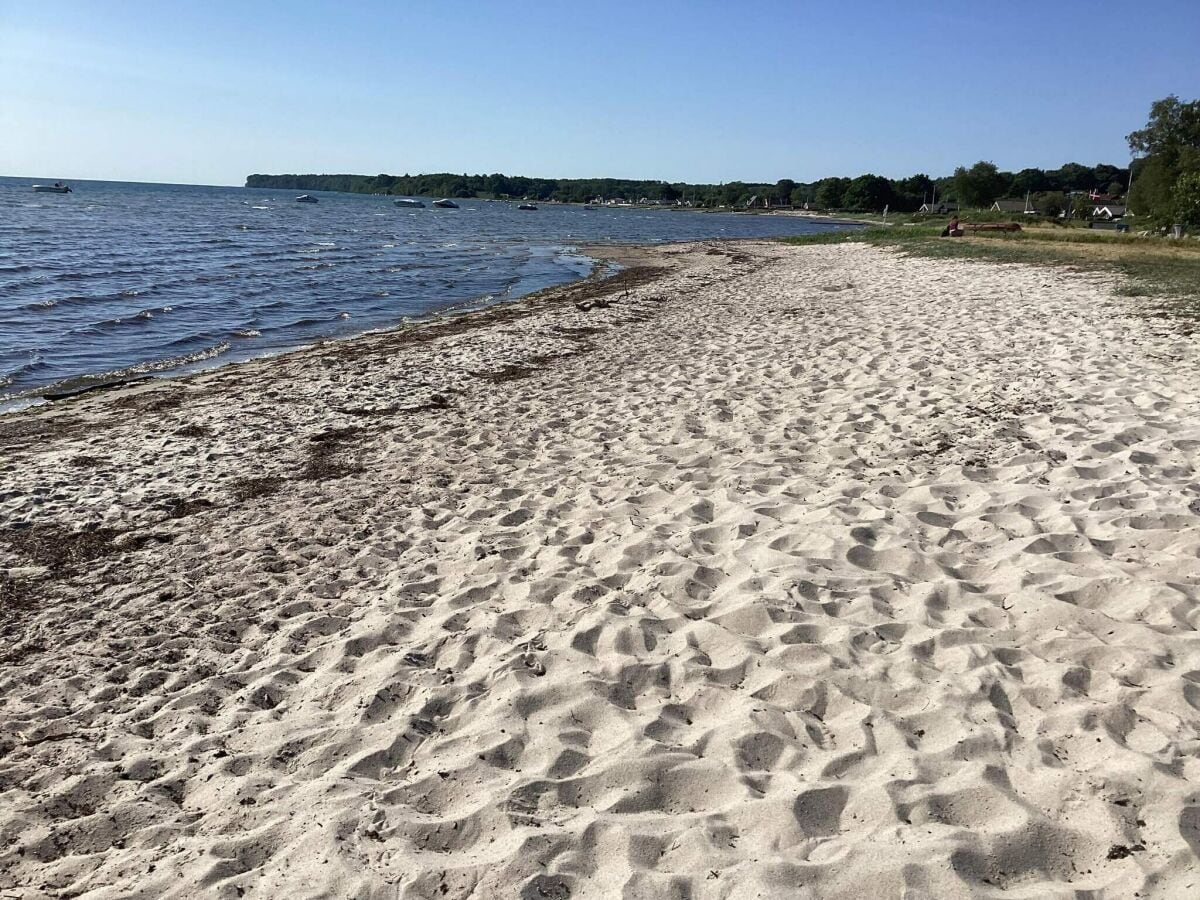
(802, 194)
(830, 192)
(979, 185)
(668, 193)
(1073, 177)
(869, 193)
(1049, 205)
(1171, 144)
(1029, 180)
(1186, 200)
(734, 193)
(1173, 129)
(910, 193)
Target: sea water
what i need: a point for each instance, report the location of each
(119, 279)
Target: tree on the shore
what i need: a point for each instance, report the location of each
(980, 185)
(830, 192)
(802, 194)
(1187, 200)
(868, 193)
(1049, 205)
(1029, 181)
(1170, 143)
(902, 195)
(735, 193)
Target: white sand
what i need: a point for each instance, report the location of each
(809, 572)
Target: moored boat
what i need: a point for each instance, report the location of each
(445, 204)
(57, 188)
(306, 198)
(406, 203)
(526, 206)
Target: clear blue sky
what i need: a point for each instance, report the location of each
(208, 92)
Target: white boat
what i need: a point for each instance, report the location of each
(409, 204)
(445, 204)
(306, 198)
(56, 188)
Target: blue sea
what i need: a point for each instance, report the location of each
(119, 279)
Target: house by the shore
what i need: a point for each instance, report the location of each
(1014, 206)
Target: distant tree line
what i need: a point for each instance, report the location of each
(977, 186)
(1165, 183)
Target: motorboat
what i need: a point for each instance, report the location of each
(526, 206)
(445, 204)
(307, 198)
(406, 203)
(56, 188)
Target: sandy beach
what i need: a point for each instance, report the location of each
(758, 571)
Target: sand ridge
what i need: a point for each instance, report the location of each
(793, 572)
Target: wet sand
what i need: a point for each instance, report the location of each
(759, 571)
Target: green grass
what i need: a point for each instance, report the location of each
(1155, 267)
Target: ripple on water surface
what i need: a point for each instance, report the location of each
(87, 281)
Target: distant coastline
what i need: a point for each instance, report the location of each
(977, 186)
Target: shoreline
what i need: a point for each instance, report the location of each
(639, 263)
(603, 255)
(756, 569)
(77, 386)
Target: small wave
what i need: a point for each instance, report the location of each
(130, 293)
(260, 207)
(168, 309)
(174, 362)
(51, 303)
(36, 363)
(16, 269)
(248, 333)
(85, 382)
(107, 326)
(344, 315)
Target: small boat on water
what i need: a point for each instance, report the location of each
(307, 198)
(57, 188)
(526, 206)
(445, 204)
(409, 204)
